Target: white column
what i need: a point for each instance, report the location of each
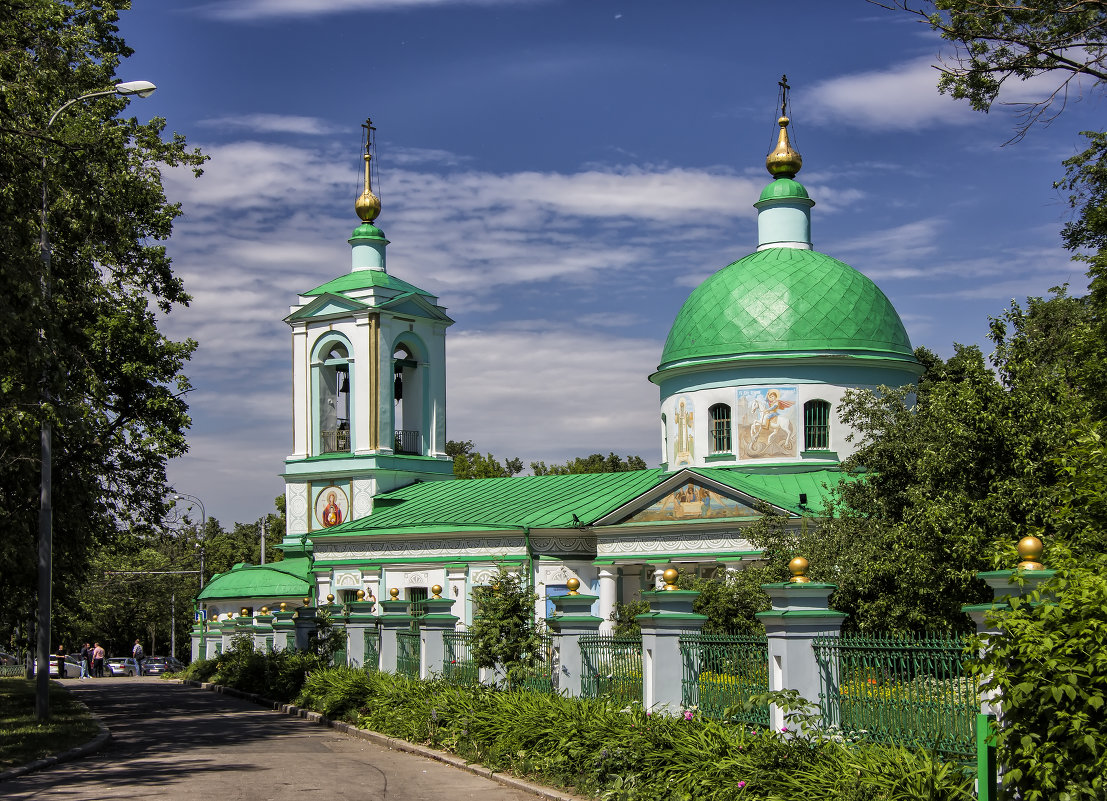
(455, 587)
(608, 575)
(371, 577)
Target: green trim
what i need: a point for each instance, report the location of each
(656, 557)
(820, 613)
(322, 566)
(721, 457)
(820, 455)
(670, 616)
(807, 585)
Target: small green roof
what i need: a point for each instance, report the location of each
(367, 231)
(780, 301)
(782, 486)
(285, 579)
(365, 279)
(783, 188)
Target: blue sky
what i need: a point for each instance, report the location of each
(562, 173)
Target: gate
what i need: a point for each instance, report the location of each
(722, 672)
(611, 667)
(371, 660)
(458, 666)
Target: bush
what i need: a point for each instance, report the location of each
(1049, 665)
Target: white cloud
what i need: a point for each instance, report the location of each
(250, 10)
(903, 97)
(272, 123)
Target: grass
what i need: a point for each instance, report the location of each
(23, 739)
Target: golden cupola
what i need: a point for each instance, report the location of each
(368, 205)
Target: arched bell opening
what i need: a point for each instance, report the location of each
(333, 392)
(407, 396)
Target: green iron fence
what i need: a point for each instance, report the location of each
(458, 666)
(541, 677)
(408, 653)
(722, 672)
(910, 691)
(12, 671)
(612, 667)
(371, 659)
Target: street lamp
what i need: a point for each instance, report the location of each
(184, 496)
(46, 510)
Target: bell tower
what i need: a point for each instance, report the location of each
(368, 384)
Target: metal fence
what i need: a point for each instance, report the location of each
(458, 666)
(12, 671)
(408, 653)
(910, 691)
(722, 672)
(541, 677)
(611, 667)
(371, 659)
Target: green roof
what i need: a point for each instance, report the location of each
(287, 578)
(365, 279)
(780, 301)
(367, 231)
(495, 504)
(783, 188)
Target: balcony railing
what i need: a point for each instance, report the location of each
(336, 441)
(410, 442)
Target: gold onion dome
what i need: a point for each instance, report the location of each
(785, 161)
(368, 205)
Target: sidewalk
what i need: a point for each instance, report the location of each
(173, 742)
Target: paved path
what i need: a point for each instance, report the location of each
(172, 742)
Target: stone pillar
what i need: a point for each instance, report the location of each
(608, 591)
(263, 631)
(394, 618)
(432, 626)
(284, 629)
(456, 574)
(198, 643)
(800, 613)
(305, 625)
(360, 623)
(243, 627)
(662, 667)
(572, 620)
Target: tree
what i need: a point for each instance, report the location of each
(470, 464)
(504, 632)
(997, 40)
(596, 463)
(91, 347)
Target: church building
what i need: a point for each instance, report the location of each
(750, 380)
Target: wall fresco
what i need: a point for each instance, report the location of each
(765, 423)
(692, 501)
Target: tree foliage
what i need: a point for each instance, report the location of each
(504, 632)
(470, 463)
(90, 345)
(595, 463)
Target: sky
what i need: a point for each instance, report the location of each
(562, 174)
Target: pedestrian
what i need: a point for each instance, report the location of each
(86, 658)
(61, 662)
(98, 661)
(139, 655)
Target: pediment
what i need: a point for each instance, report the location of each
(686, 497)
(414, 305)
(326, 305)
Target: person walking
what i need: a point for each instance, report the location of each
(86, 658)
(98, 661)
(139, 655)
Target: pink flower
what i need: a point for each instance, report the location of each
(741, 785)
(648, 714)
(688, 714)
(784, 728)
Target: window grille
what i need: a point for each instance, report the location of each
(816, 425)
(720, 428)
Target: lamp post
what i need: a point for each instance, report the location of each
(184, 496)
(46, 510)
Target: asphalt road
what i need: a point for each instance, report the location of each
(174, 742)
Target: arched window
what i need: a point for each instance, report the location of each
(720, 428)
(816, 425)
(333, 387)
(407, 393)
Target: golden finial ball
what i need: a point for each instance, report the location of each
(670, 578)
(361, 595)
(574, 585)
(394, 593)
(1030, 553)
(798, 568)
(436, 590)
(265, 610)
(330, 598)
(307, 601)
(367, 206)
(284, 606)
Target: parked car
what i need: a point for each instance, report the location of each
(8, 659)
(156, 665)
(71, 668)
(121, 666)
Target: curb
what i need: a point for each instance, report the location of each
(102, 738)
(389, 742)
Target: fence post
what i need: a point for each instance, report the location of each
(801, 612)
(1033, 574)
(432, 626)
(394, 618)
(263, 631)
(360, 620)
(199, 644)
(284, 629)
(670, 615)
(572, 619)
(305, 625)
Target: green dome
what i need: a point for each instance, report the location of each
(782, 300)
(367, 231)
(783, 188)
